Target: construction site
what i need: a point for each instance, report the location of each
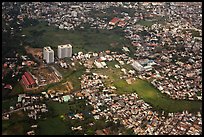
(46, 75)
(35, 52)
(65, 88)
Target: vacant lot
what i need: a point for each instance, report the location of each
(16, 125)
(45, 75)
(72, 75)
(153, 20)
(52, 126)
(82, 40)
(34, 51)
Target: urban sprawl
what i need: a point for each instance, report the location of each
(169, 56)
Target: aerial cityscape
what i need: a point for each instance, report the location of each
(101, 68)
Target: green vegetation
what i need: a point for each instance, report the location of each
(160, 101)
(111, 12)
(9, 102)
(18, 89)
(194, 32)
(148, 93)
(11, 128)
(82, 40)
(52, 126)
(63, 108)
(149, 23)
(55, 122)
(71, 75)
(199, 93)
(146, 23)
(16, 125)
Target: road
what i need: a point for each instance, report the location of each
(11, 111)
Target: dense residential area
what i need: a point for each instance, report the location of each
(102, 68)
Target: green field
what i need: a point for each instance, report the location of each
(82, 40)
(16, 125)
(9, 102)
(55, 125)
(194, 32)
(148, 93)
(52, 126)
(72, 75)
(18, 89)
(149, 23)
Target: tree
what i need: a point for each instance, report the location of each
(90, 131)
(129, 131)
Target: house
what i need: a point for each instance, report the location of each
(98, 64)
(114, 21)
(126, 49)
(28, 80)
(66, 98)
(8, 86)
(20, 96)
(122, 23)
(148, 68)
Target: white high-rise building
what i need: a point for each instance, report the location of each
(64, 51)
(48, 54)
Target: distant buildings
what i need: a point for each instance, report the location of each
(48, 55)
(64, 51)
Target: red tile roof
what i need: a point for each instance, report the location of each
(8, 86)
(5, 65)
(115, 20)
(122, 23)
(29, 77)
(25, 81)
(152, 44)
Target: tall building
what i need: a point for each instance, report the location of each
(64, 51)
(48, 55)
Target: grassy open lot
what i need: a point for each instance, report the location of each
(9, 102)
(194, 32)
(17, 128)
(146, 23)
(148, 92)
(18, 89)
(151, 95)
(56, 125)
(149, 23)
(16, 125)
(52, 126)
(72, 75)
(81, 40)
